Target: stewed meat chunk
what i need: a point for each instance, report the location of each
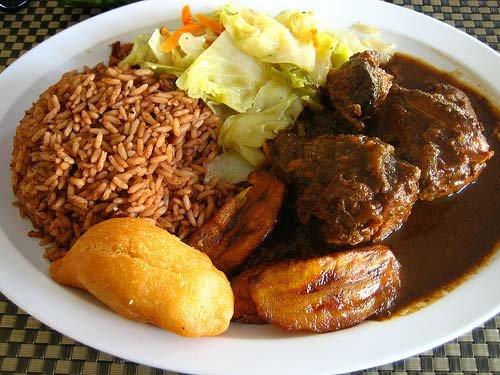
(439, 132)
(118, 52)
(358, 88)
(454, 95)
(352, 186)
(312, 125)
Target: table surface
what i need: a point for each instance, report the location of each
(28, 346)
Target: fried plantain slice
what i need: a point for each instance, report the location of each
(327, 293)
(240, 225)
(244, 308)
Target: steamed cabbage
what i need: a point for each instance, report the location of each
(276, 108)
(140, 52)
(225, 74)
(262, 36)
(302, 25)
(162, 69)
(229, 167)
(307, 84)
(340, 55)
(154, 43)
(350, 43)
(296, 77)
(191, 47)
(147, 53)
(325, 45)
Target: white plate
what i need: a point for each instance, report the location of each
(243, 349)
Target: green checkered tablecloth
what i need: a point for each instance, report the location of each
(27, 346)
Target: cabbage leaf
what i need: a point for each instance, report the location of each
(325, 45)
(350, 42)
(140, 52)
(162, 69)
(302, 25)
(264, 37)
(225, 74)
(147, 53)
(276, 108)
(229, 167)
(190, 48)
(155, 41)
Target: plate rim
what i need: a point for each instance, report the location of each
(29, 307)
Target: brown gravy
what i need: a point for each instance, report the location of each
(445, 240)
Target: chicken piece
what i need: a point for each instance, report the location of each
(438, 132)
(146, 274)
(358, 87)
(327, 293)
(240, 225)
(244, 308)
(351, 186)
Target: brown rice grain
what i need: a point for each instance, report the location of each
(110, 127)
(201, 219)
(143, 72)
(210, 207)
(111, 81)
(187, 203)
(122, 151)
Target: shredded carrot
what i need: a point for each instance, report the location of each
(186, 15)
(173, 40)
(169, 44)
(212, 24)
(192, 28)
(189, 26)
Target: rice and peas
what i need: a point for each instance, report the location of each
(111, 142)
